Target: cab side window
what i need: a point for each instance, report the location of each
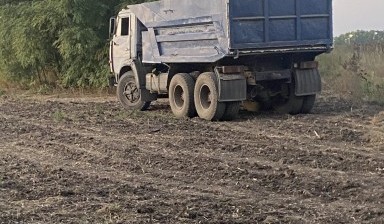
(124, 27)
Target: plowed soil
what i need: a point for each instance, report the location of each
(86, 160)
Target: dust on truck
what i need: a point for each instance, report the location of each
(210, 56)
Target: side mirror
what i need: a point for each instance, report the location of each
(112, 26)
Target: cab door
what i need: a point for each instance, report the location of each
(121, 43)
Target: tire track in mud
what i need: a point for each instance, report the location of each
(285, 155)
(288, 154)
(50, 159)
(208, 172)
(209, 193)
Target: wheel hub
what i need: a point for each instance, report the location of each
(132, 92)
(206, 97)
(179, 97)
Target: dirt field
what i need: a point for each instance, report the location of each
(86, 160)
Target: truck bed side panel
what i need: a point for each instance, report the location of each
(181, 31)
(274, 24)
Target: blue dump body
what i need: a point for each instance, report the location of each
(179, 31)
(260, 24)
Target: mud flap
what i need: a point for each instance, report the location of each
(307, 82)
(232, 87)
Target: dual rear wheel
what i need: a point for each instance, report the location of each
(189, 98)
(289, 103)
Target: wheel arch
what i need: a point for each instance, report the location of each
(135, 69)
(123, 70)
(139, 73)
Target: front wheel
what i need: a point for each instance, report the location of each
(128, 93)
(206, 98)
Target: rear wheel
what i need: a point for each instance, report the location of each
(288, 102)
(206, 98)
(128, 93)
(231, 110)
(308, 103)
(181, 95)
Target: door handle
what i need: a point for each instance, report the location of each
(114, 43)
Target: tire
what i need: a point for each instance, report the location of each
(308, 103)
(181, 98)
(129, 94)
(206, 98)
(231, 111)
(292, 104)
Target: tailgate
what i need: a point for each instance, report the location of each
(271, 24)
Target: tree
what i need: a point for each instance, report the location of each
(361, 37)
(66, 38)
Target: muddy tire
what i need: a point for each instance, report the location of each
(206, 98)
(231, 111)
(181, 98)
(128, 93)
(308, 103)
(291, 104)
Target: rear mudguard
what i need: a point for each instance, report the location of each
(307, 82)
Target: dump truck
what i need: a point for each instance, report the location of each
(210, 57)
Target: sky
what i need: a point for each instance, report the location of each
(352, 15)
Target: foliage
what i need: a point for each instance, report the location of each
(361, 37)
(56, 42)
(355, 69)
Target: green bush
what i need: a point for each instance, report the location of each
(355, 69)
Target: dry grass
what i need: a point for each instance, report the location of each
(375, 133)
(355, 72)
(378, 119)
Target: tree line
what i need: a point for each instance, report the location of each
(57, 42)
(363, 41)
(361, 37)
